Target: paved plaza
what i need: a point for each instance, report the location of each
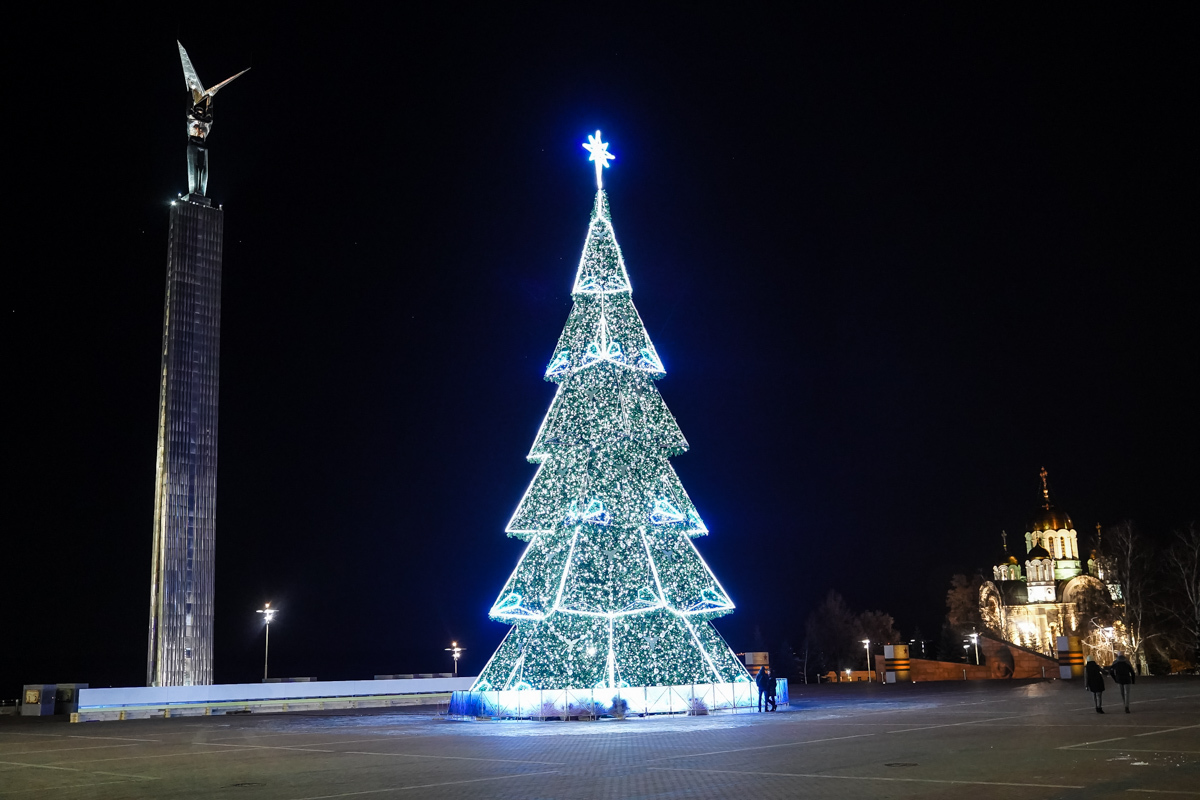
(977, 740)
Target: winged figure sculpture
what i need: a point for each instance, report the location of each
(199, 122)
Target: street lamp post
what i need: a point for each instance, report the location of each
(975, 641)
(455, 651)
(867, 646)
(268, 615)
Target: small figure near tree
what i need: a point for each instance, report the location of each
(1124, 676)
(766, 688)
(1093, 681)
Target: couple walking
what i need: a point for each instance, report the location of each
(766, 689)
(1121, 672)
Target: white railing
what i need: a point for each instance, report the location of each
(234, 692)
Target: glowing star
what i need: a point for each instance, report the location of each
(599, 154)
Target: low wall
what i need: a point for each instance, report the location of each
(144, 702)
(234, 692)
(1001, 660)
(854, 676)
(1024, 663)
(924, 670)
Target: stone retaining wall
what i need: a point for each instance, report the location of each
(1001, 660)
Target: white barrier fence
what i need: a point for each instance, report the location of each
(164, 701)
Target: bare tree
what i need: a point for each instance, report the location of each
(1126, 557)
(805, 667)
(835, 634)
(832, 630)
(784, 661)
(1094, 606)
(1183, 565)
(879, 627)
(962, 603)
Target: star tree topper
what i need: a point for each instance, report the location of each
(599, 154)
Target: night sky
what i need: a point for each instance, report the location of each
(895, 259)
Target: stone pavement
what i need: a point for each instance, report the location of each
(978, 740)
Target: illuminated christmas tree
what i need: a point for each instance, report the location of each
(610, 590)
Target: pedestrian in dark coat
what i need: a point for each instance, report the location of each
(1093, 681)
(1124, 676)
(772, 688)
(763, 679)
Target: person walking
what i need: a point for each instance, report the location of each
(772, 688)
(1124, 676)
(1093, 681)
(761, 680)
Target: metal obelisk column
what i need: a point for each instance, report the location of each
(181, 586)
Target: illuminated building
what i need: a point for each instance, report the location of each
(1048, 596)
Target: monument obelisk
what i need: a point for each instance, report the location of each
(185, 492)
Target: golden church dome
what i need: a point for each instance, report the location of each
(1051, 519)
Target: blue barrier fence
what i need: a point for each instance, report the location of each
(698, 698)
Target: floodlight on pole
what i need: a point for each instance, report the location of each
(975, 641)
(455, 651)
(867, 646)
(268, 615)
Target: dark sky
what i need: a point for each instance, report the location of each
(895, 258)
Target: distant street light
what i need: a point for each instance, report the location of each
(975, 641)
(455, 651)
(268, 615)
(867, 647)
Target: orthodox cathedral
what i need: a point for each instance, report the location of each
(1050, 594)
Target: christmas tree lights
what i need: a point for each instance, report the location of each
(611, 591)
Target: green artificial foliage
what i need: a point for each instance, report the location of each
(610, 590)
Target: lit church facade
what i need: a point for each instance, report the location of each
(1051, 594)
